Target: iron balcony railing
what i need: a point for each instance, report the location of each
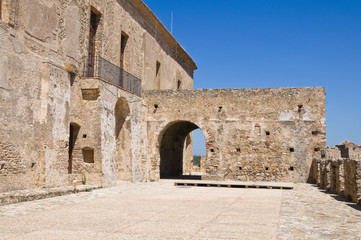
(101, 68)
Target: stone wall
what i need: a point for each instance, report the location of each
(340, 174)
(255, 134)
(44, 45)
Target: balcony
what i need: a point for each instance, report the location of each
(98, 67)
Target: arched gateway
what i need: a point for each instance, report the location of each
(172, 147)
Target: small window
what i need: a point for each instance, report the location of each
(88, 155)
(240, 168)
(238, 149)
(300, 108)
(292, 149)
(267, 168)
(179, 84)
(291, 168)
(157, 75)
(316, 149)
(155, 106)
(219, 109)
(267, 133)
(212, 150)
(123, 43)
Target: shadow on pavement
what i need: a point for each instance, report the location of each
(184, 177)
(339, 198)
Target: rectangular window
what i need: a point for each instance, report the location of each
(123, 43)
(94, 22)
(157, 75)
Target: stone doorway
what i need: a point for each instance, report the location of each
(73, 135)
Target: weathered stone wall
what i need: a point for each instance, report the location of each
(44, 44)
(34, 112)
(255, 134)
(340, 174)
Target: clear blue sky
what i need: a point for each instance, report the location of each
(276, 43)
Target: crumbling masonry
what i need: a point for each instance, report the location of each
(339, 170)
(96, 91)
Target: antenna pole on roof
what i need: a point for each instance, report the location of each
(171, 23)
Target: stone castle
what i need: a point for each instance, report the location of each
(96, 91)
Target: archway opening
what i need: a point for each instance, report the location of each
(122, 136)
(121, 111)
(198, 156)
(176, 151)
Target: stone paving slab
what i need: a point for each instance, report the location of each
(156, 210)
(310, 213)
(160, 210)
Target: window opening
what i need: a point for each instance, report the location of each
(123, 43)
(179, 83)
(300, 108)
(157, 75)
(94, 22)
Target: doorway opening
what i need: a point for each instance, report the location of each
(176, 155)
(73, 135)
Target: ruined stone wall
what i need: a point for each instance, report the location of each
(251, 134)
(339, 174)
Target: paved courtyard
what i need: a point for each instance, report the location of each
(159, 210)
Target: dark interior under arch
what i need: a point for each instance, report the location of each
(171, 149)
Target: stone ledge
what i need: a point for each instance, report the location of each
(36, 194)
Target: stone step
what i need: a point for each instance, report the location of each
(41, 193)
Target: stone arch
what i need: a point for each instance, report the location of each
(171, 146)
(121, 111)
(122, 135)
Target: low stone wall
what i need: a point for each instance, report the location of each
(338, 174)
